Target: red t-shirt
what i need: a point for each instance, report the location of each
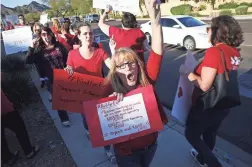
(213, 59)
(92, 66)
(67, 41)
(133, 38)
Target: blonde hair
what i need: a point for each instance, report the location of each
(120, 55)
(56, 25)
(36, 24)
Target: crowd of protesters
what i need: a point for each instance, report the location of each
(74, 49)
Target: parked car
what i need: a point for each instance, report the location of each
(91, 18)
(75, 19)
(181, 30)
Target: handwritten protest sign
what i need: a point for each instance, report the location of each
(118, 5)
(43, 18)
(17, 40)
(183, 99)
(110, 122)
(70, 91)
(12, 18)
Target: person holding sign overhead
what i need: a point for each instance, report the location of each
(127, 36)
(128, 73)
(52, 55)
(88, 59)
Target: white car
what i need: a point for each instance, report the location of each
(181, 30)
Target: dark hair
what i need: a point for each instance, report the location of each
(66, 27)
(82, 25)
(21, 15)
(49, 32)
(227, 30)
(129, 20)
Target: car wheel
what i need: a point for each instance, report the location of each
(189, 43)
(148, 37)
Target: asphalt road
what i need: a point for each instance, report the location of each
(237, 127)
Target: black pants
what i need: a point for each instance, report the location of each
(205, 124)
(138, 158)
(15, 123)
(62, 113)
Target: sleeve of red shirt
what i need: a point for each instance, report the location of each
(153, 65)
(113, 31)
(142, 35)
(212, 58)
(103, 54)
(69, 59)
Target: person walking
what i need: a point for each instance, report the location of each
(220, 64)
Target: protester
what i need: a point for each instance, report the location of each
(128, 73)
(225, 35)
(127, 36)
(52, 55)
(12, 120)
(5, 25)
(36, 38)
(56, 28)
(66, 38)
(76, 41)
(88, 60)
(21, 20)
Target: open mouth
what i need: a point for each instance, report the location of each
(130, 77)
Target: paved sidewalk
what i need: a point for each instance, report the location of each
(173, 149)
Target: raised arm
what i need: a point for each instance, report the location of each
(157, 36)
(104, 27)
(155, 59)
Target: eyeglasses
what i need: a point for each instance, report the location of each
(123, 66)
(38, 30)
(20, 18)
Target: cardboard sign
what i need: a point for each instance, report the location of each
(183, 99)
(118, 5)
(12, 18)
(17, 40)
(110, 122)
(70, 91)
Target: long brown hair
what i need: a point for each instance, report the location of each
(120, 55)
(56, 25)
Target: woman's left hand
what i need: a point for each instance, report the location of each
(118, 95)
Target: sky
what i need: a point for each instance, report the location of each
(14, 3)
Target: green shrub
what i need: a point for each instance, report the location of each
(226, 12)
(16, 81)
(194, 14)
(246, 4)
(181, 9)
(202, 7)
(241, 10)
(230, 5)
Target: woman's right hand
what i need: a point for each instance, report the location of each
(69, 70)
(118, 95)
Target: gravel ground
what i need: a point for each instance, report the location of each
(42, 131)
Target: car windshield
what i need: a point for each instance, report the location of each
(95, 15)
(190, 22)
